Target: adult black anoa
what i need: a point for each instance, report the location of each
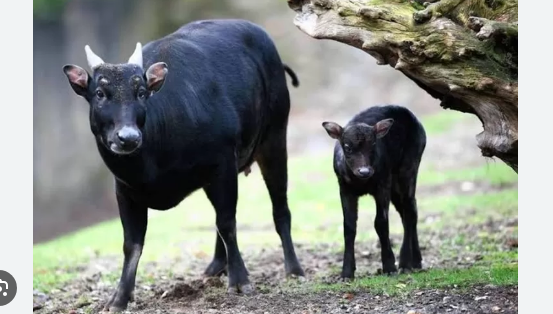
(188, 111)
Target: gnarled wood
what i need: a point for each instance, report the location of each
(463, 52)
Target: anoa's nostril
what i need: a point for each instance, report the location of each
(364, 172)
(128, 135)
(121, 137)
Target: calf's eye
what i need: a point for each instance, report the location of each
(141, 94)
(100, 94)
(347, 149)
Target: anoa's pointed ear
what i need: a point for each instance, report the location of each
(78, 78)
(155, 76)
(333, 129)
(383, 126)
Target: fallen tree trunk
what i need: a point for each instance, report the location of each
(463, 52)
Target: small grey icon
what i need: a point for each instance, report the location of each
(8, 288)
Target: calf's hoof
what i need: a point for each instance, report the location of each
(347, 275)
(389, 270)
(116, 304)
(246, 289)
(409, 266)
(216, 268)
(346, 279)
(295, 270)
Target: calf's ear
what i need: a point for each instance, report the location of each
(383, 126)
(78, 78)
(155, 76)
(333, 129)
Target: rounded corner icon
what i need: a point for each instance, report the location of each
(8, 288)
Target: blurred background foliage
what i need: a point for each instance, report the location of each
(73, 188)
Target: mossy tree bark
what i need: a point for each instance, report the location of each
(463, 52)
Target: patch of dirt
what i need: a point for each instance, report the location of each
(462, 188)
(158, 291)
(487, 299)
(479, 299)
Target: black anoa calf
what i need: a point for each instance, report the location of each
(378, 153)
(191, 111)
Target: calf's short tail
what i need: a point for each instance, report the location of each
(295, 81)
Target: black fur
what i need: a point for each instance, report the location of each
(224, 105)
(380, 159)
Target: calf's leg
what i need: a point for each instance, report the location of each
(410, 255)
(411, 218)
(134, 219)
(403, 198)
(349, 209)
(272, 160)
(222, 192)
(382, 227)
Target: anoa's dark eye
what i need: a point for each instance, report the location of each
(347, 149)
(100, 94)
(141, 94)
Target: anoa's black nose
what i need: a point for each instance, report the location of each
(129, 137)
(364, 172)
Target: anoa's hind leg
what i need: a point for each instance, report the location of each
(272, 159)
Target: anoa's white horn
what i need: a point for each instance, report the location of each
(92, 58)
(136, 57)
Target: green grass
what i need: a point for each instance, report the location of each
(45, 279)
(314, 202)
(496, 173)
(442, 121)
(500, 258)
(485, 206)
(497, 274)
(313, 199)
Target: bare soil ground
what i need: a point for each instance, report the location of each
(176, 286)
